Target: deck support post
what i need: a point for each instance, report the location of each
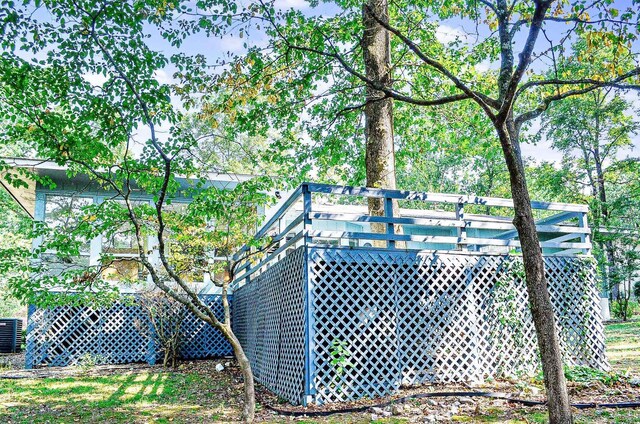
(309, 395)
(584, 237)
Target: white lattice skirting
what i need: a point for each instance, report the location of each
(403, 319)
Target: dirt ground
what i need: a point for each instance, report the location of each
(11, 361)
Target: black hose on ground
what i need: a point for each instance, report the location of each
(493, 395)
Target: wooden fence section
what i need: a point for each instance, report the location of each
(397, 317)
(405, 319)
(118, 334)
(269, 319)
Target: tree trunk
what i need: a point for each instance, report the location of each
(378, 111)
(537, 290)
(604, 211)
(249, 407)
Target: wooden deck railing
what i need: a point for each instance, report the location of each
(311, 216)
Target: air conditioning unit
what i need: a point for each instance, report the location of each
(10, 335)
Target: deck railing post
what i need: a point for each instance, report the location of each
(306, 210)
(283, 240)
(388, 213)
(462, 231)
(584, 237)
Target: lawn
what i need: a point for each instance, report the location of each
(197, 393)
(623, 346)
(138, 396)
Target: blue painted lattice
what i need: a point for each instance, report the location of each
(118, 334)
(405, 319)
(269, 322)
(199, 339)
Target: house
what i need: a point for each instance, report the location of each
(434, 294)
(65, 335)
(54, 206)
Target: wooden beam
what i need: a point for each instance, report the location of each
(437, 197)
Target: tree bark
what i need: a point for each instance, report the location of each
(249, 406)
(612, 288)
(378, 110)
(537, 289)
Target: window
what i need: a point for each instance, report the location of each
(185, 250)
(124, 270)
(122, 244)
(62, 214)
(122, 241)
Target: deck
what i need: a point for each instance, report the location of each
(434, 293)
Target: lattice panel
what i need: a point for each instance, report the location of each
(575, 296)
(201, 340)
(354, 302)
(507, 336)
(62, 335)
(437, 322)
(410, 319)
(270, 324)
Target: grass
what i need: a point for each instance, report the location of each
(623, 346)
(121, 398)
(202, 395)
(522, 416)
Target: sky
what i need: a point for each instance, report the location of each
(220, 48)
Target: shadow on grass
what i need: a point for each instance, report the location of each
(123, 398)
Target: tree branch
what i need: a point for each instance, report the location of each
(380, 87)
(615, 83)
(595, 84)
(484, 101)
(508, 96)
(195, 303)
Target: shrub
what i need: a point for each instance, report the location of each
(164, 321)
(580, 374)
(632, 309)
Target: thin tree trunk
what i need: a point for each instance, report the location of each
(612, 288)
(378, 111)
(540, 302)
(249, 407)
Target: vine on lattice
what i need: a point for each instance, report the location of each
(340, 360)
(509, 283)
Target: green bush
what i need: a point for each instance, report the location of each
(636, 290)
(632, 309)
(579, 374)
